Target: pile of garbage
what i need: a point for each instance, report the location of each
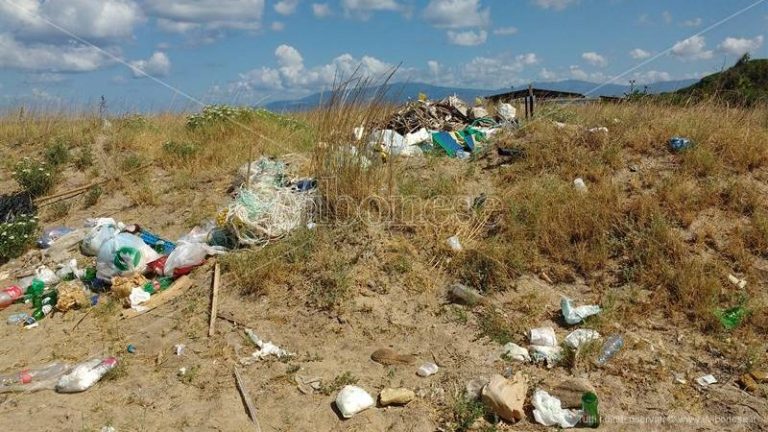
(449, 124)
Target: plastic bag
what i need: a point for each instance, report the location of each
(85, 375)
(188, 255)
(549, 412)
(50, 235)
(123, 254)
(352, 400)
(69, 270)
(46, 275)
(576, 315)
(199, 234)
(103, 230)
(507, 112)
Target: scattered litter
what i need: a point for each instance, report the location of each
(388, 357)
(137, 297)
(427, 369)
(85, 375)
(731, 318)
(131, 348)
(706, 380)
(352, 400)
(396, 396)
(601, 129)
(461, 293)
(50, 235)
(549, 354)
(480, 112)
(610, 348)
(678, 144)
(590, 412)
(108, 429)
(179, 349)
(579, 337)
(455, 244)
(188, 256)
(17, 318)
(515, 352)
(506, 398)
(679, 378)
(580, 185)
(29, 380)
(182, 371)
(266, 349)
(549, 412)
(507, 112)
(571, 391)
(72, 295)
(123, 254)
(576, 315)
(474, 388)
(46, 275)
(544, 336)
(101, 230)
(741, 283)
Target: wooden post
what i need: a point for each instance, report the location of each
(532, 99)
(214, 300)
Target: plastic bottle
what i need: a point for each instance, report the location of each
(611, 346)
(85, 375)
(41, 378)
(589, 406)
(35, 290)
(10, 295)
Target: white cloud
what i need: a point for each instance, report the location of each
(555, 4)
(457, 14)
(433, 67)
(277, 26)
(321, 10)
(667, 17)
(644, 19)
(547, 74)
(286, 7)
(594, 59)
(578, 73)
(496, 72)
(186, 15)
(740, 46)
(693, 48)
(292, 75)
(505, 31)
(639, 54)
(158, 65)
(652, 76)
(467, 38)
(695, 22)
(51, 58)
(363, 9)
(89, 19)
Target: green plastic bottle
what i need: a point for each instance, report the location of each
(157, 285)
(589, 406)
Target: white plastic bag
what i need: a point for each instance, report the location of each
(507, 112)
(85, 375)
(123, 254)
(544, 336)
(549, 412)
(352, 400)
(188, 255)
(515, 352)
(581, 336)
(102, 230)
(574, 315)
(43, 273)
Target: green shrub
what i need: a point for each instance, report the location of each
(219, 115)
(181, 150)
(84, 158)
(33, 176)
(16, 236)
(57, 153)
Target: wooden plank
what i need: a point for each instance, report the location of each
(173, 291)
(247, 399)
(214, 300)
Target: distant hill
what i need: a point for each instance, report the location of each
(402, 92)
(746, 83)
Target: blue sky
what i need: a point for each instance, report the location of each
(70, 52)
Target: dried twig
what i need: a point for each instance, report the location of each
(214, 300)
(247, 399)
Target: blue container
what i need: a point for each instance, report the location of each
(678, 144)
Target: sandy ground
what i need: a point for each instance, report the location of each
(637, 389)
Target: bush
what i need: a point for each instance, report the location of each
(16, 236)
(84, 158)
(57, 153)
(219, 114)
(181, 150)
(33, 176)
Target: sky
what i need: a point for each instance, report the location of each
(176, 54)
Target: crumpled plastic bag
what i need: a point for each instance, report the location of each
(507, 112)
(85, 375)
(576, 315)
(515, 352)
(581, 336)
(123, 254)
(48, 276)
(102, 229)
(549, 354)
(549, 412)
(50, 235)
(352, 400)
(189, 255)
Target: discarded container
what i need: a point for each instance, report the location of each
(579, 337)
(591, 416)
(131, 348)
(576, 315)
(28, 380)
(551, 355)
(85, 375)
(352, 400)
(9, 295)
(580, 185)
(506, 398)
(515, 352)
(418, 137)
(610, 348)
(549, 412)
(678, 144)
(17, 318)
(427, 369)
(478, 112)
(455, 244)
(741, 283)
(544, 336)
(50, 235)
(731, 318)
(159, 244)
(706, 380)
(123, 254)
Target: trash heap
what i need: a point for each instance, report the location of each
(449, 125)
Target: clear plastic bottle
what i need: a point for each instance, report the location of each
(27, 380)
(85, 375)
(611, 346)
(10, 295)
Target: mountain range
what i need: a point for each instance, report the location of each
(401, 92)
